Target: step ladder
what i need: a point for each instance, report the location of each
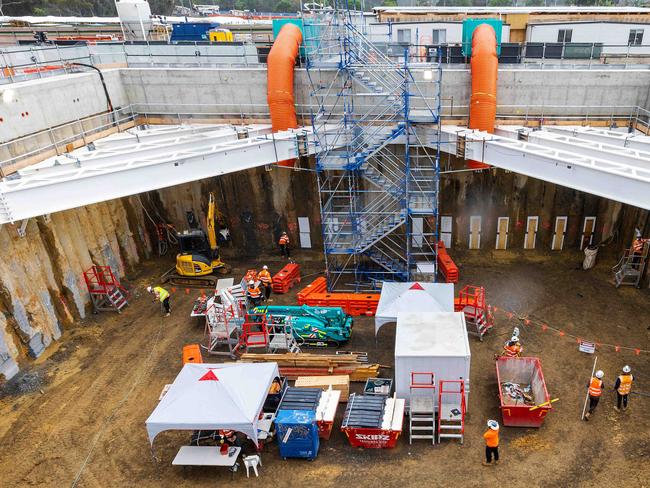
(478, 315)
(255, 333)
(281, 338)
(422, 415)
(630, 268)
(106, 292)
(451, 409)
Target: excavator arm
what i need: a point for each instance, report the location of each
(212, 236)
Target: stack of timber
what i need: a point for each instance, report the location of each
(340, 383)
(293, 365)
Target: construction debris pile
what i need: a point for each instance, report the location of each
(517, 394)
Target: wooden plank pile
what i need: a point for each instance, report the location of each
(293, 365)
(340, 383)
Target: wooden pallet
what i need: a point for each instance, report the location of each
(340, 383)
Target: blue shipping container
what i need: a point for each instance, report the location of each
(186, 31)
(297, 434)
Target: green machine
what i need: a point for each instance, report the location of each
(311, 325)
(468, 30)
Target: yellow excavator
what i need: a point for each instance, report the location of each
(198, 256)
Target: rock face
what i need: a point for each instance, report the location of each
(42, 290)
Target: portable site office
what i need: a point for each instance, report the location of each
(431, 342)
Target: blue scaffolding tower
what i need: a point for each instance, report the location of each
(378, 182)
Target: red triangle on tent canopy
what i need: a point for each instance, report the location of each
(209, 376)
(416, 286)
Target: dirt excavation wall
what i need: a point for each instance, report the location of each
(41, 284)
(495, 193)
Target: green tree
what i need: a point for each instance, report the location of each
(284, 6)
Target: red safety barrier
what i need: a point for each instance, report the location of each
(286, 278)
(355, 304)
(446, 265)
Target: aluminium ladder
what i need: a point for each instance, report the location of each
(422, 415)
(281, 338)
(630, 268)
(451, 409)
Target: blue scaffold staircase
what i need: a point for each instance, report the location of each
(377, 186)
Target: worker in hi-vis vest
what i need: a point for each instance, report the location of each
(623, 387)
(161, 295)
(491, 437)
(267, 282)
(283, 242)
(595, 386)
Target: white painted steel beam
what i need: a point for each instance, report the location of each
(157, 133)
(134, 146)
(623, 182)
(605, 136)
(585, 147)
(83, 182)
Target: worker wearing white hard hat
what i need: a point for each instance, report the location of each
(253, 294)
(513, 347)
(267, 282)
(491, 437)
(595, 390)
(623, 388)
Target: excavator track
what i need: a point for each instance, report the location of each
(173, 278)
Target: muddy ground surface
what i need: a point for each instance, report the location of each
(77, 415)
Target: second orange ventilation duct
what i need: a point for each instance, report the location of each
(280, 64)
(485, 69)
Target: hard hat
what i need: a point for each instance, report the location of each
(599, 374)
(626, 369)
(284, 233)
(493, 424)
(637, 233)
(149, 289)
(251, 282)
(514, 339)
(265, 267)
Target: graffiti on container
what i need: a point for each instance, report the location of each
(263, 226)
(292, 226)
(546, 225)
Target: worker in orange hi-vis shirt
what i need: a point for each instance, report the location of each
(283, 242)
(491, 437)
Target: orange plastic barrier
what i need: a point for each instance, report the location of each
(355, 304)
(288, 276)
(485, 69)
(192, 354)
(446, 265)
(280, 64)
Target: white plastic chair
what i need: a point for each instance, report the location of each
(252, 462)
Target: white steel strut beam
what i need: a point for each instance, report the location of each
(621, 181)
(84, 180)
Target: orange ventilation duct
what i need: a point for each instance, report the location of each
(280, 64)
(485, 68)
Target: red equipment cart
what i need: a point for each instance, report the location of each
(522, 371)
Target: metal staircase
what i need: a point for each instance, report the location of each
(378, 185)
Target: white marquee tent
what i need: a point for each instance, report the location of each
(213, 397)
(397, 298)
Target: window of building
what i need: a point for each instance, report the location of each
(404, 35)
(564, 35)
(439, 36)
(636, 37)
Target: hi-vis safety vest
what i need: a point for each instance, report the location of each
(161, 292)
(625, 384)
(637, 246)
(595, 387)
(512, 351)
(284, 240)
(265, 277)
(254, 292)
